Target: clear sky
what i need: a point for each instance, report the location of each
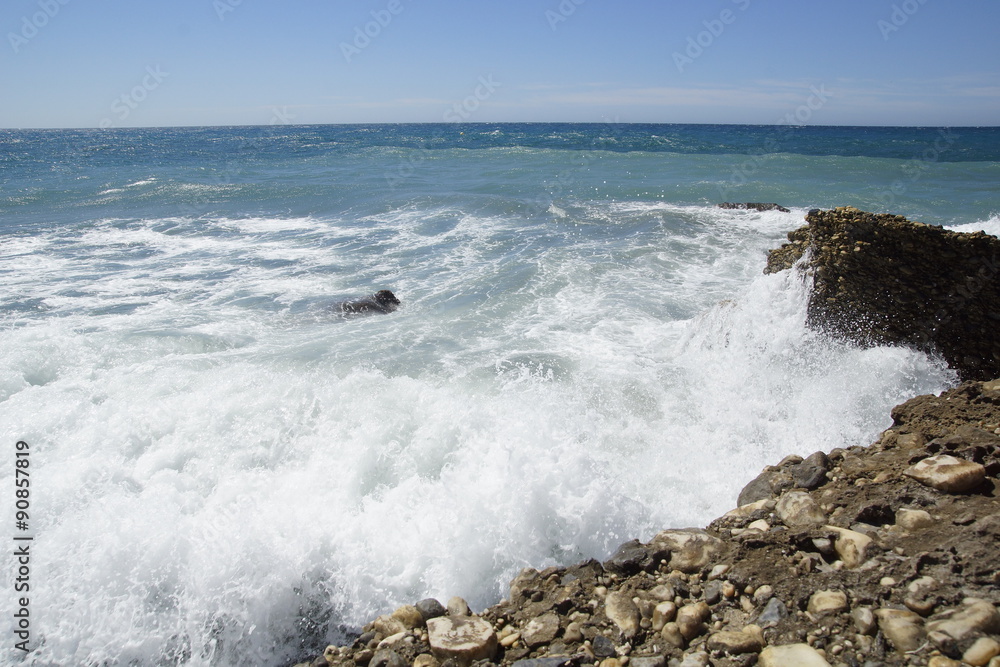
(121, 63)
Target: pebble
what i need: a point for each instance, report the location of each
(648, 661)
(540, 630)
(851, 546)
(425, 660)
(458, 607)
(387, 626)
(982, 651)
(947, 473)
(903, 628)
(573, 633)
(461, 638)
(734, 643)
(798, 509)
(696, 659)
(913, 520)
(975, 616)
(671, 634)
(763, 594)
(387, 658)
(864, 620)
(690, 549)
(409, 616)
(791, 655)
(827, 602)
(773, 612)
(691, 619)
(664, 613)
(509, 640)
(430, 608)
(942, 661)
(623, 612)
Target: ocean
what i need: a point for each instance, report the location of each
(224, 470)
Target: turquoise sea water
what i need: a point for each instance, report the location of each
(225, 472)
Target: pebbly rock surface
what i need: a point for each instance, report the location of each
(844, 559)
(882, 279)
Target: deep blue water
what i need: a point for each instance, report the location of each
(224, 471)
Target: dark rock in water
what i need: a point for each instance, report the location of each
(755, 206)
(430, 608)
(382, 301)
(881, 279)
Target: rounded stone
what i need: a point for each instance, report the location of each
(461, 638)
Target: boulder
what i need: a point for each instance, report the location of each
(881, 279)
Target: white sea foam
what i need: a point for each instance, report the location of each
(216, 457)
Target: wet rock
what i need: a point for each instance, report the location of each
(690, 549)
(430, 608)
(633, 557)
(882, 279)
(461, 638)
(947, 473)
(621, 611)
(798, 509)
(903, 628)
(791, 655)
(754, 206)
(827, 602)
(541, 630)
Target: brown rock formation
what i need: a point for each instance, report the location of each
(882, 279)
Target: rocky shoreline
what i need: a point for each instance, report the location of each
(886, 554)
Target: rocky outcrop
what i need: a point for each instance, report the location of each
(882, 279)
(862, 556)
(754, 206)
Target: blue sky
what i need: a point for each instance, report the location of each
(117, 63)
